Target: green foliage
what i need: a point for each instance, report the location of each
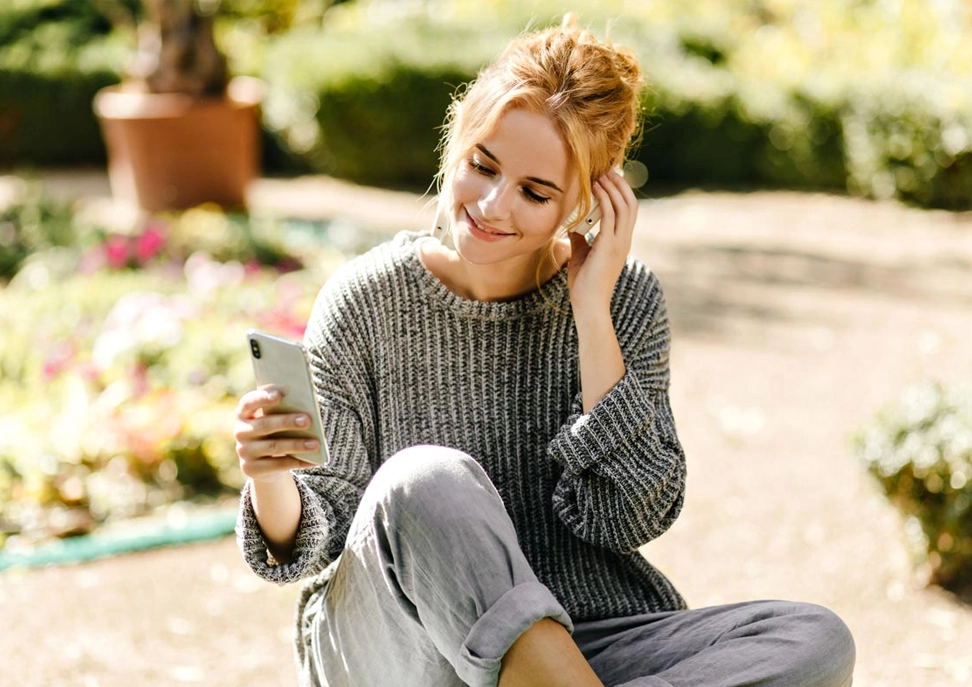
(54, 56)
(46, 119)
(912, 139)
(32, 223)
(124, 356)
(869, 97)
(139, 376)
(815, 97)
(372, 140)
(368, 106)
(34, 227)
(275, 16)
(32, 21)
(920, 451)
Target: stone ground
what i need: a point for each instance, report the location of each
(795, 316)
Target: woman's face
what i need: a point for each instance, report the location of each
(511, 192)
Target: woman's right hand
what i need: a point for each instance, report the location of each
(263, 457)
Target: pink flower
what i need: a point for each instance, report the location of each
(140, 380)
(89, 371)
(93, 260)
(148, 245)
(283, 323)
(59, 360)
(116, 251)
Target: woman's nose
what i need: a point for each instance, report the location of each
(496, 204)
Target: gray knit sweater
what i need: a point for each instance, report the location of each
(399, 360)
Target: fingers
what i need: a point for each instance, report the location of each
(261, 457)
(260, 436)
(264, 425)
(619, 206)
(253, 448)
(254, 401)
(259, 446)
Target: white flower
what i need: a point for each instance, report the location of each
(141, 319)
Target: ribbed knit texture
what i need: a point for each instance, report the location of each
(399, 360)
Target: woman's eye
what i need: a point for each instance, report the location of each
(535, 197)
(479, 167)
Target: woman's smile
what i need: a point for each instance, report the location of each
(483, 231)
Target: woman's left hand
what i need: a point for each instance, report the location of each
(593, 270)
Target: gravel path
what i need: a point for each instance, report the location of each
(795, 317)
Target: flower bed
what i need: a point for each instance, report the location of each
(124, 355)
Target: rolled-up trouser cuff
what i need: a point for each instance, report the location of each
(491, 636)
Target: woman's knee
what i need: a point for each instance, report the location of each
(828, 643)
(429, 483)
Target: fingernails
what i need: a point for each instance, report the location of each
(310, 444)
(273, 394)
(302, 420)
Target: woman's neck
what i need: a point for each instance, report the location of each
(491, 282)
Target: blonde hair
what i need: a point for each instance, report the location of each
(589, 90)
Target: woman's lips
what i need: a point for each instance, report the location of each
(481, 233)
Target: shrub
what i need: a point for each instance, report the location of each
(54, 56)
(368, 105)
(32, 223)
(786, 108)
(124, 354)
(120, 386)
(920, 452)
(911, 139)
(865, 97)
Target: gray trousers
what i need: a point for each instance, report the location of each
(432, 589)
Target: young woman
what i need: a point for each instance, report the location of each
(501, 440)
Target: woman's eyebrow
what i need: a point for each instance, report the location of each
(536, 180)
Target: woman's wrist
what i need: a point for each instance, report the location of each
(599, 356)
(277, 506)
(592, 314)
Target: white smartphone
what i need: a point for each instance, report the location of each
(587, 226)
(283, 363)
(593, 217)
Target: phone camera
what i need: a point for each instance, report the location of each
(255, 348)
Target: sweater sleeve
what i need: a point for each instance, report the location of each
(623, 479)
(329, 494)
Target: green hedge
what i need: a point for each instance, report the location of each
(740, 93)
(54, 56)
(715, 138)
(718, 111)
(46, 119)
(368, 107)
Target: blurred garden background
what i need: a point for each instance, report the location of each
(807, 208)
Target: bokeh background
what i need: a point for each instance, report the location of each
(807, 206)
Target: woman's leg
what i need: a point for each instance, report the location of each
(764, 643)
(546, 656)
(432, 588)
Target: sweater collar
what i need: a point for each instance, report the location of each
(552, 296)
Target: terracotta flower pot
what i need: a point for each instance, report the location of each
(170, 151)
